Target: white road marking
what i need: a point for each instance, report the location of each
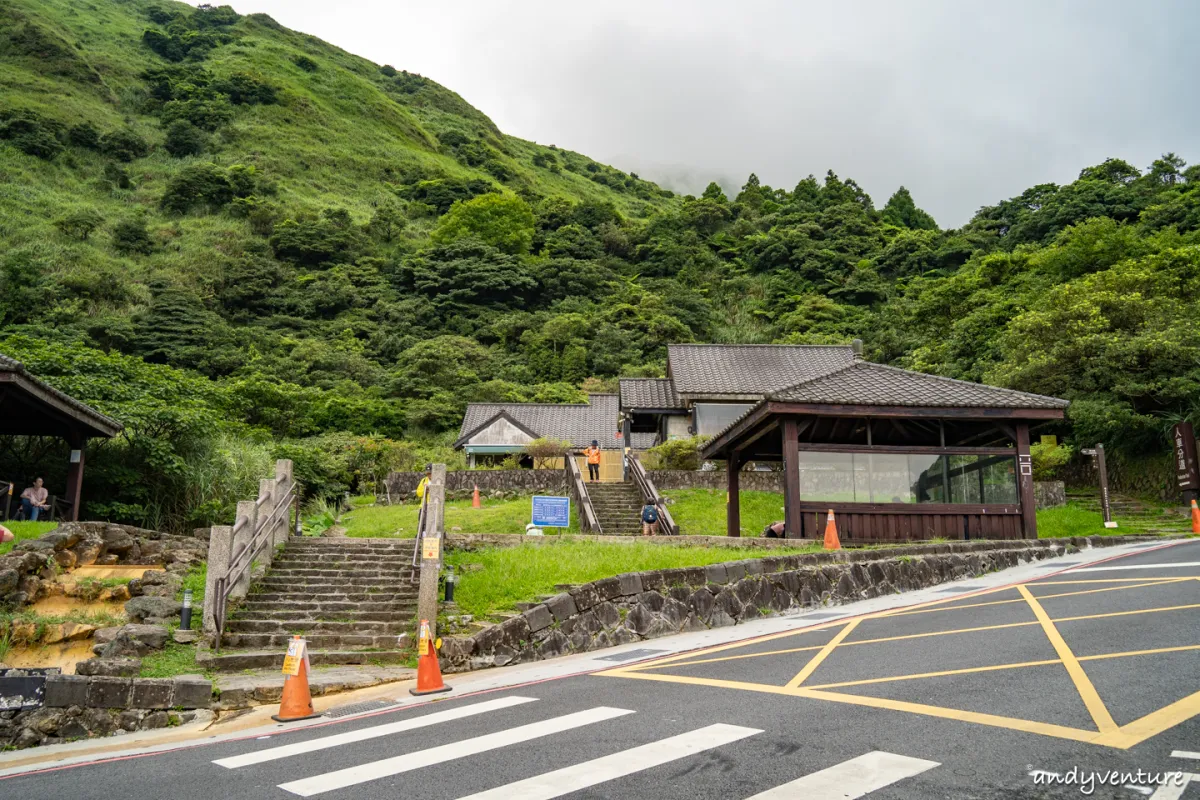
(850, 779)
(352, 776)
(1172, 789)
(1176, 565)
(1184, 754)
(413, 723)
(580, 776)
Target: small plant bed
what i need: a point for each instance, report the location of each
(25, 530)
(494, 516)
(494, 579)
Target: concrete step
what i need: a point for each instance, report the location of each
(235, 660)
(320, 641)
(318, 571)
(305, 608)
(334, 628)
(325, 593)
(312, 580)
(343, 616)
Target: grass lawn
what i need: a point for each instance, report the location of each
(496, 578)
(495, 516)
(701, 512)
(25, 530)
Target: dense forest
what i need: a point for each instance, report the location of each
(245, 244)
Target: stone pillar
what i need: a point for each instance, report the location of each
(427, 596)
(247, 510)
(267, 490)
(284, 480)
(733, 501)
(220, 547)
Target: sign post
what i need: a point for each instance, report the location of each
(1187, 471)
(1097, 453)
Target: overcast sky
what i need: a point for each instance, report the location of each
(963, 102)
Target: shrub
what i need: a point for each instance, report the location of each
(184, 139)
(116, 177)
(123, 145)
(1048, 459)
(207, 185)
(207, 113)
(544, 451)
(79, 224)
(84, 135)
(305, 63)
(675, 454)
(242, 88)
(131, 236)
(388, 70)
(31, 134)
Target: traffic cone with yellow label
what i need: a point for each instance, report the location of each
(831, 537)
(475, 497)
(429, 673)
(296, 703)
(1195, 517)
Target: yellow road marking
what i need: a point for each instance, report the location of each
(1144, 582)
(1108, 580)
(995, 667)
(810, 648)
(1083, 684)
(816, 660)
(1153, 723)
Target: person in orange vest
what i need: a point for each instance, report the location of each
(593, 459)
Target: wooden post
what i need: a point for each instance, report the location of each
(733, 509)
(220, 547)
(626, 447)
(1105, 500)
(431, 544)
(1025, 482)
(792, 528)
(75, 473)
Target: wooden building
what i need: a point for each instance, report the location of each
(897, 455)
(31, 407)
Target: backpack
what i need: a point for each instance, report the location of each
(649, 513)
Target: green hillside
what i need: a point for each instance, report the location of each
(247, 244)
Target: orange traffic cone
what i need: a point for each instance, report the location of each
(296, 703)
(429, 674)
(475, 497)
(1195, 517)
(831, 538)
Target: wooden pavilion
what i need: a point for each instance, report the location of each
(31, 407)
(897, 455)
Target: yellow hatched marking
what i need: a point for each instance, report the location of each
(808, 649)
(1083, 684)
(1144, 582)
(1175, 579)
(1153, 723)
(816, 660)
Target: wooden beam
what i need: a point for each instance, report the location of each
(908, 448)
(1025, 481)
(847, 410)
(716, 448)
(733, 508)
(791, 480)
(745, 444)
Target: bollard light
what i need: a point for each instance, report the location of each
(450, 585)
(185, 614)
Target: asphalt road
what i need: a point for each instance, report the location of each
(980, 695)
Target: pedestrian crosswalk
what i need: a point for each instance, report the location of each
(853, 778)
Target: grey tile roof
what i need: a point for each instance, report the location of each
(649, 393)
(105, 425)
(750, 369)
(864, 383)
(577, 423)
(641, 440)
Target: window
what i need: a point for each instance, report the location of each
(712, 418)
(907, 478)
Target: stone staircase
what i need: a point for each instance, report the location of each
(350, 598)
(618, 507)
(1137, 516)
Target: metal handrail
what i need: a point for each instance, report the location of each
(650, 495)
(588, 521)
(240, 561)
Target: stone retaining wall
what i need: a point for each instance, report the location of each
(476, 541)
(403, 485)
(27, 572)
(643, 605)
(79, 707)
(1049, 494)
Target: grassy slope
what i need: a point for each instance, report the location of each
(495, 516)
(25, 530)
(341, 136)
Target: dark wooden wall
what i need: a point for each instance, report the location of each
(867, 523)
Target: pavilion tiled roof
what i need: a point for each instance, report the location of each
(750, 369)
(103, 424)
(866, 384)
(649, 393)
(577, 423)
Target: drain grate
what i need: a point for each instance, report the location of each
(631, 655)
(359, 708)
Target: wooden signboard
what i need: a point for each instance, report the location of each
(1187, 471)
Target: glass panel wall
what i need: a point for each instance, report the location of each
(907, 478)
(712, 418)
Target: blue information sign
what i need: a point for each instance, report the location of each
(551, 512)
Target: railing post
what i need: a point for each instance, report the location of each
(247, 517)
(267, 491)
(284, 482)
(220, 547)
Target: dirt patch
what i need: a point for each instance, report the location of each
(62, 655)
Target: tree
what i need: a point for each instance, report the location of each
(903, 212)
(501, 221)
(130, 236)
(79, 224)
(467, 272)
(123, 145)
(387, 222)
(545, 452)
(184, 139)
